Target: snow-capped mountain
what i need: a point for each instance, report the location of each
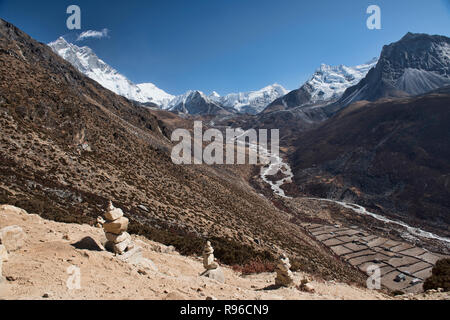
(416, 64)
(88, 63)
(197, 103)
(252, 102)
(328, 83)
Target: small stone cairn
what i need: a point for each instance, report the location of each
(213, 270)
(208, 257)
(120, 242)
(284, 275)
(115, 227)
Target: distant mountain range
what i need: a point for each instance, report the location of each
(252, 102)
(416, 64)
(197, 103)
(87, 62)
(326, 84)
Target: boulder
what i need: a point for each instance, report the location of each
(215, 274)
(117, 227)
(12, 237)
(88, 243)
(133, 256)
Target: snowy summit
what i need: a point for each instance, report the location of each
(88, 63)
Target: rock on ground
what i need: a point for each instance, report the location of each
(215, 274)
(12, 237)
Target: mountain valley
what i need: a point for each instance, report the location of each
(361, 148)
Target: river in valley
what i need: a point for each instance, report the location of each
(277, 164)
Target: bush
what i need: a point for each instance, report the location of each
(440, 277)
(227, 251)
(255, 267)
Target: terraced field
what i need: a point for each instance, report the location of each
(403, 266)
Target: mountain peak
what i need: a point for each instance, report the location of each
(412, 36)
(252, 102)
(416, 64)
(88, 63)
(214, 95)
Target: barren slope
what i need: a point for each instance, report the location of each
(40, 267)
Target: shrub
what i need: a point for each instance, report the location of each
(255, 267)
(227, 251)
(440, 277)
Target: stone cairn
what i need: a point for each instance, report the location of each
(115, 227)
(208, 257)
(213, 270)
(284, 275)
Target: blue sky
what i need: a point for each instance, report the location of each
(232, 45)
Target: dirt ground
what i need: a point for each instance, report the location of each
(41, 270)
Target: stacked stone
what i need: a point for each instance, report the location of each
(208, 257)
(212, 268)
(115, 227)
(284, 275)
